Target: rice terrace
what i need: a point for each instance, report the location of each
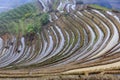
(59, 38)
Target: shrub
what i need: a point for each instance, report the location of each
(44, 19)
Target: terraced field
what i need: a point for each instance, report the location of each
(73, 42)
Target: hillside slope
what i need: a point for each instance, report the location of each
(59, 38)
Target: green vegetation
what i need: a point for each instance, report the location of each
(99, 7)
(37, 22)
(21, 12)
(23, 20)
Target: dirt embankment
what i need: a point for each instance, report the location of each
(69, 77)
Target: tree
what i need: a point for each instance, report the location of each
(44, 19)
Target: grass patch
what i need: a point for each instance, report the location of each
(99, 7)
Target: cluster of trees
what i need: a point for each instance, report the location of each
(19, 12)
(24, 19)
(37, 23)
